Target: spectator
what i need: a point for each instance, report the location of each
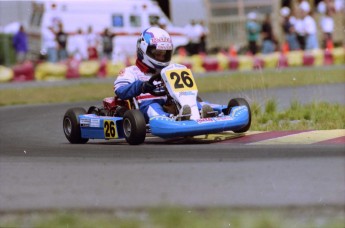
(311, 41)
(321, 7)
(299, 28)
(289, 30)
(49, 44)
(78, 46)
(304, 5)
(268, 41)
(253, 31)
(92, 43)
(203, 38)
(107, 42)
(54, 18)
(61, 38)
(339, 5)
(20, 43)
(162, 23)
(194, 32)
(327, 27)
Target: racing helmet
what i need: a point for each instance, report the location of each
(154, 48)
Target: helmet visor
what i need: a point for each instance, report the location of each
(159, 55)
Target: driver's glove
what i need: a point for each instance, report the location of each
(147, 87)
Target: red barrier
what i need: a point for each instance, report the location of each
(210, 64)
(233, 63)
(24, 72)
(282, 61)
(328, 57)
(72, 68)
(102, 72)
(258, 63)
(308, 59)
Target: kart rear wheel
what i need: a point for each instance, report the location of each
(93, 110)
(71, 126)
(239, 102)
(134, 127)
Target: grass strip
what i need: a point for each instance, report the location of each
(313, 116)
(241, 81)
(168, 217)
(237, 81)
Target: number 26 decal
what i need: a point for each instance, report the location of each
(182, 80)
(109, 129)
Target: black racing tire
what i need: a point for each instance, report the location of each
(134, 127)
(239, 102)
(71, 126)
(93, 110)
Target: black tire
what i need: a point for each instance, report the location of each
(239, 102)
(134, 127)
(71, 126)
(93, 110)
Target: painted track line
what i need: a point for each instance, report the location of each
(261, 136)
(291, 137)
(339, 140)
(308, 137)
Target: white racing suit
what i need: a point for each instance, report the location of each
(129, 84)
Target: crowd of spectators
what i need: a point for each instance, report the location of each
(57, 45)
(299, 26)
(81, 45)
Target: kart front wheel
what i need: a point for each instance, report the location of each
(134, 127)
(71, 126)
(239, 102)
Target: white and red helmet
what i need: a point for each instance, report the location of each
(154, 40)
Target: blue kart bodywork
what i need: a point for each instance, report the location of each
(98, 127)
(166, 128)
(107, 127)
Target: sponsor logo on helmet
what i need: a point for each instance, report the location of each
(155, 40)
(164, 46)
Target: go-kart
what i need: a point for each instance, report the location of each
(118, 118)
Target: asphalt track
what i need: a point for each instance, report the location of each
(40, 170)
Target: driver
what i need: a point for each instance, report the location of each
(154, 51)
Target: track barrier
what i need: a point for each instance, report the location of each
(222, 61)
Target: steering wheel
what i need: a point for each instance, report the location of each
(160, 90)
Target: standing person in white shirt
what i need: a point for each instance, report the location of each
(289, 29)
(49, 44)
(203, 37)
(194, 32)
(311, 41)
(299, 28)
(327, 27)
(78, 46)
(93, 42)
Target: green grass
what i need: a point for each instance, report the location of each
(59, 94)
(270, 79)
(314, 116)
(167, 217)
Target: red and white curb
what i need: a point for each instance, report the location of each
(336, 136)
